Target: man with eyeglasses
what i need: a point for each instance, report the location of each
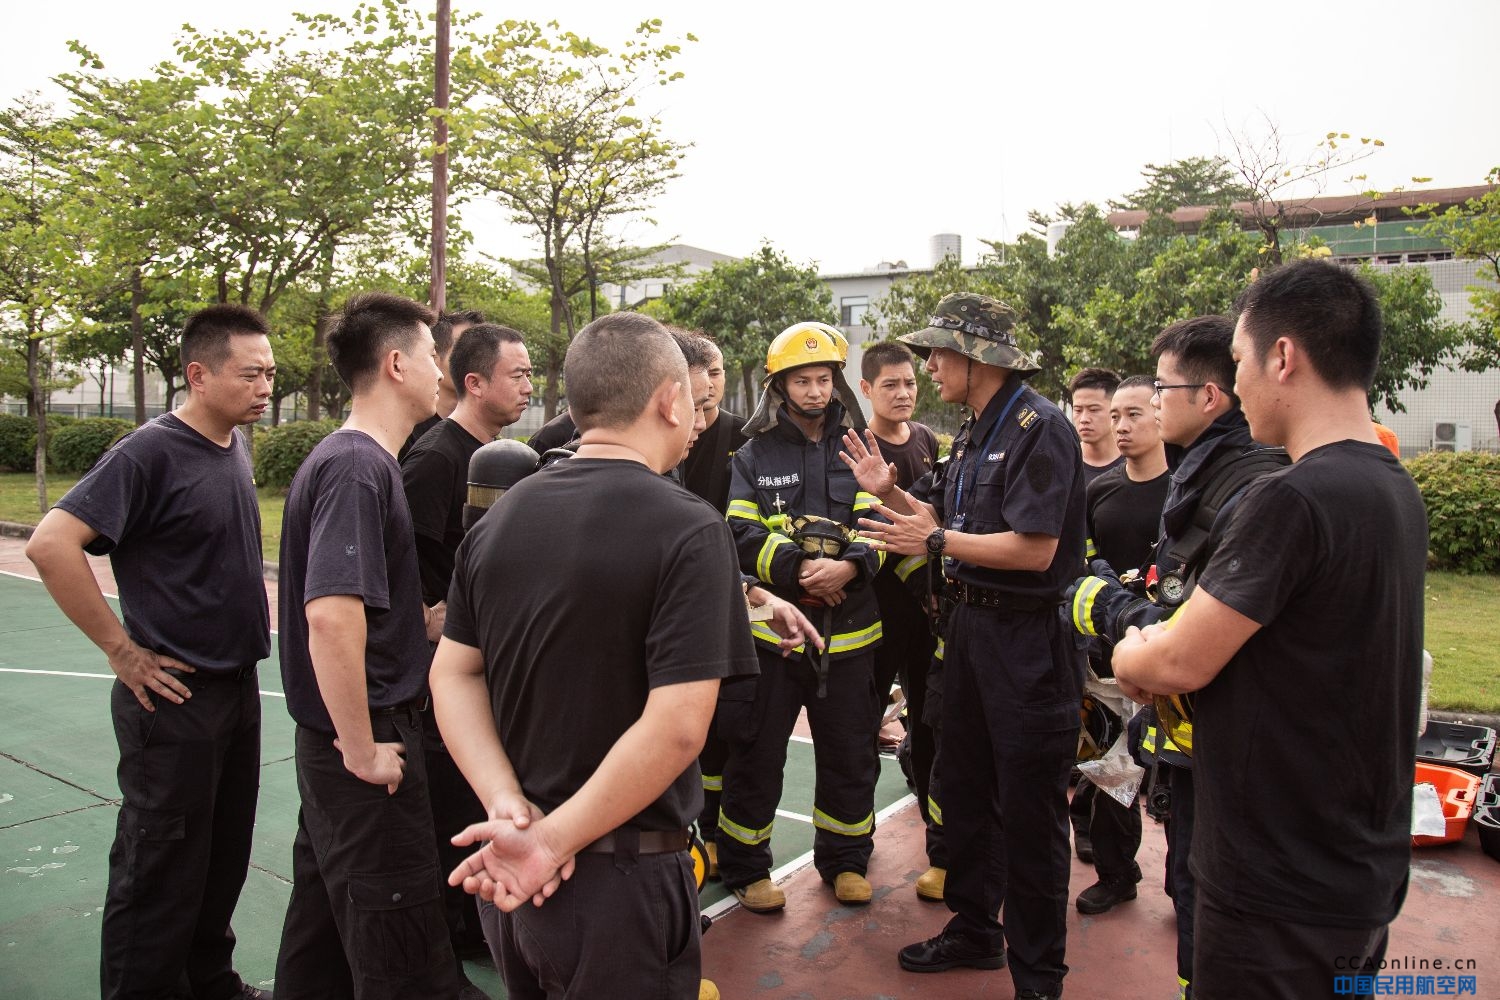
(1212, 458)
(491, 372)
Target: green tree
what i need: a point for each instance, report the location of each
(37, 257)
(553, 132)
(256, 159)
(1417, 341)
(1194, 180)
(743, 304)
(1472, 231)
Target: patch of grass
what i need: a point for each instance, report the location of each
(18, 504)
(1463, 636)
(18, 495)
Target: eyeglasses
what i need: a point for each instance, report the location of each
(1157, 388)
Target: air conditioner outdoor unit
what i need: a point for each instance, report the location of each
(1450, 435)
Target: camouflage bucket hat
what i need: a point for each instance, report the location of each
(977, 327)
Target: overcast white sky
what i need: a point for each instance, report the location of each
(849, 134)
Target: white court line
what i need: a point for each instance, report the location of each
(102, 677)
(113, 597)
(723, 906)
(787, 814)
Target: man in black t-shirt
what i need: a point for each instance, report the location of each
(173, 504)
(492, 370)
(1123, 513)
(1304, 643)
(706, 469)
(889, 381)
(446, 334)
(353, 664)
(577, 695)
(1089, 393)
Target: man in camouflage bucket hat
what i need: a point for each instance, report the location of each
(978, 327)
(1005, 516)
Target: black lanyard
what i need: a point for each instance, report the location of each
(958, 493)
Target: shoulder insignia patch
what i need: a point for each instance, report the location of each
(1025, 417)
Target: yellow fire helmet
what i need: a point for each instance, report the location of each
(806, 344)
(798, 345)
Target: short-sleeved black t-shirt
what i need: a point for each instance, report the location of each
(435, 473)
(1093, 472)
(630, 583)
(913, 460)
(1124, 517)
(347, 531)
(177, 516)
(1303, 744)
(705, 471)
(1017, 468)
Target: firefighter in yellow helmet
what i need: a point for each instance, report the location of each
(793, 509)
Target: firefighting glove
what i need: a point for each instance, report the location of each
(1088, 599)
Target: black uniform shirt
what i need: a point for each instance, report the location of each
(1017, 467)
(435, 473)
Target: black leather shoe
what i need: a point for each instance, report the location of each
(1084, 847)
(1103, 896)
(949, 951)
(1034, 995)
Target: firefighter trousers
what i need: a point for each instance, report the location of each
(844, 727)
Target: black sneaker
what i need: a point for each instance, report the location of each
(949, 951)
(248, 992)
(1102, 896)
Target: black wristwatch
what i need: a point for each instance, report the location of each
(936, 542)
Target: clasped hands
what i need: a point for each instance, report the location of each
(514, 863)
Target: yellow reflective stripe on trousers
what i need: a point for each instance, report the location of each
(767, 553)
(908, 566)
(1083, 605)
(823, 821)
(934, 810)
(744, 834)
(937, 654)
(1089, 550)
(713, 782)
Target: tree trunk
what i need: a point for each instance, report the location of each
(138, 345)
(36, 407)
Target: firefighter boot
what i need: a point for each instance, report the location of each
(930, 884)
(852, 887)
(763, 896)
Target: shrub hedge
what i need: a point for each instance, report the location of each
(279, 451)
(1462, 494)
(75, 447)
(18, 440)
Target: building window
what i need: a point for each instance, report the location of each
(852, 310)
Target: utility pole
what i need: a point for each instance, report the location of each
(438, 294)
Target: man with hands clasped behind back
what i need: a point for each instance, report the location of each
(575, 697)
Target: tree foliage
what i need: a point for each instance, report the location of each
(553, 130)
(1472, 231)
(743, 304)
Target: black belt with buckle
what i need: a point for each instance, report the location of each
(411, 709)
(987, 597)
(650, 841)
